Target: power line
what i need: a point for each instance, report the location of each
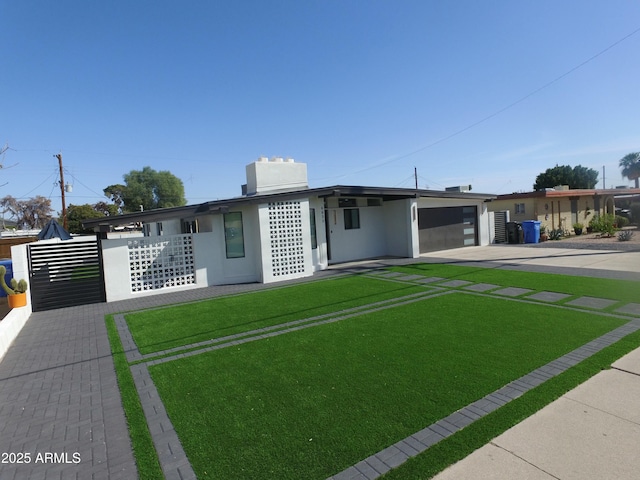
(503, 109)
(75, 179)
(43, 182)
(55, 184)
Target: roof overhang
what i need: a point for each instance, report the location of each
(223, 206)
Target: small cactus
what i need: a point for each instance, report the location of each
(625, 235)
(17, 286)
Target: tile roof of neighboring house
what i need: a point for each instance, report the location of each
(570, 193)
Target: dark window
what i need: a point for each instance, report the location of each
(189, 226)
(159, 228)
(314, 235)
(351, 218)
(233, 235)
(374, 202)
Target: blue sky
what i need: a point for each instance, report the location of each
(361, 91)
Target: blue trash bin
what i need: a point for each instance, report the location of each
(8, 276)
(531, 229)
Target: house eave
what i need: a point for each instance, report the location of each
(223, 206)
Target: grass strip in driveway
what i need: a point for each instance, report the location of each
(621, 290)
(166, 328)
(310, 403)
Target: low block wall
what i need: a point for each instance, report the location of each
(11, 325)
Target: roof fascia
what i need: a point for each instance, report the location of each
(223, 206)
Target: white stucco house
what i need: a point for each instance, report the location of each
(281, 229)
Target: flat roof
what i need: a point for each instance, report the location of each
(221, 206)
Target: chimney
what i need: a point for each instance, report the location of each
(275, 175)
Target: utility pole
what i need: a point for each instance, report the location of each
(604, 183)
(415, 176)
(64, 207)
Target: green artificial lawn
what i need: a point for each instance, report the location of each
(162, 329)
(621, 290)
(311, 403)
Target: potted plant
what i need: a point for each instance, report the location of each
(17, 293)
(577, 228)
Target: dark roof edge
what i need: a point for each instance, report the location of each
(218, 206)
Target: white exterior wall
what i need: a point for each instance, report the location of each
(486, 225)
(401, 228)
(319, 257)
(211, 265)
(117, 276)
(236, 270)
(368, 241)
(205, 223)
(12, 323)
(285, 240)
(117, 272)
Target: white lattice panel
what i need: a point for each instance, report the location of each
(161, 262)
(286, 238)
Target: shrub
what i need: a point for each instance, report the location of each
(603, 224)
(621, 221)
(625, 235)
(556, 234)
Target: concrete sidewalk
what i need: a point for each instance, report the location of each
(61, 414)
(585, 262)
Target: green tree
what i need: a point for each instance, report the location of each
(630, 165)
(149, 189)
(584, 177)
(576, 177)
(77, 213)
(107, 209)
(115, 193)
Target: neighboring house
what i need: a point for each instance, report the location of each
(281, 229)
(559, 207)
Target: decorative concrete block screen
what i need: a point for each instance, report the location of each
(161, 262)
(285, 227)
